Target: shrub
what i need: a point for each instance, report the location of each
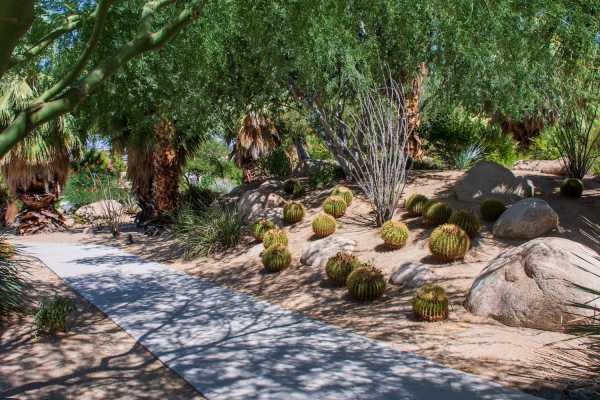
(572, 187)
(52, 315)
(275, 237)
(335, 206)
(394, 234)
(276, 258)
(491, 209)
(467, 220)
(293, 212)
(340, 266)
(13, 287)
(277, 163)
(326, 175)
(366, 283)
(293, 187)
(449, 242)
(202, 233)
(437, 214)
(415, 204)
(345, 193)
(260, 227)
(430, 303)
(198, 198)
(324, 225)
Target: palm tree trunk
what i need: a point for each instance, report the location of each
(167, 167)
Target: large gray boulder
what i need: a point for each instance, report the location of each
(491, 180)
(318, 252)
(99, 210)
(526, 219)
(532, 285)
(254, 203)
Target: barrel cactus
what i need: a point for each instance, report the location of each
(293, 186)
(7, 250)
(394, 234)
(491, 209)
(449, 242)
(335, 206)
(572, 187)
(415, 204)
(427, 205)
(340, 266)
(276, 258)
(260, 227)
(275, 237)
(293, 212)
(430, 303)
(345, 193)
(324, 225)
(467, 220)
(437, 214)
(366, 283)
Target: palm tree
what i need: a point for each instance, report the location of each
(37, 169)
(256, 136)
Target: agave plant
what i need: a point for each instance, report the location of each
(467, 156)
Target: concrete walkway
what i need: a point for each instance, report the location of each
(232, 346)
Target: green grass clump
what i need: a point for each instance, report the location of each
(449, 242)
(491, 209)
(415, 204)
(394, 234)
(345, 193)
(275, 237)
(293, 212)
(437, 214)
(430, 303)
(13, 287)
(335, 206)
(260, 227)
(572, 187)
(51, 316)
(276, 258)
(324, 225)
(467, 220)
(293, 186)
(366, 283)
(340, 266)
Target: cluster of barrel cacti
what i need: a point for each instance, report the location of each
(394, 234)
(449, 242)
(340, 266)
(345, 193)
(572, 187)
(430, 303)
(491, 209)
(324, 225)
(293, 212)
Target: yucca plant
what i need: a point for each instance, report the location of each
(275, 237)
(366, 283)
(430, 303)
(394, 234)
(345, 193)
(52, 315)
(335, 206)
(340, 266)
(324, 225)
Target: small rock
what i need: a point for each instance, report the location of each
(526, 219)
(318, 252)
(98, 209)
(411, 275)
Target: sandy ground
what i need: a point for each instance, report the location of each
(94, 360)
(514, 356)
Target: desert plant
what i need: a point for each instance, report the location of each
(324, 225)
(111, 209)
(345, 193)
(394, 234)
(437, 214)
(276, 258)
(335, 206)
(467, 156)
(326, 175)
(374, 145)
(202, 233)
(415, 204)
(7, 249)
(572, 187)
(52, 315)
(430, 303)
(449, 242)
(13, 287)
(275, 237)
(491, 209)
(293, 212)
(340, 266)
(467, 220)
(426, 205)
(293, 186)
(366, 283)
(260, 227)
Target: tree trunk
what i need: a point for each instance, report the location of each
(140, 173)
(167, 169)
(413, 106)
